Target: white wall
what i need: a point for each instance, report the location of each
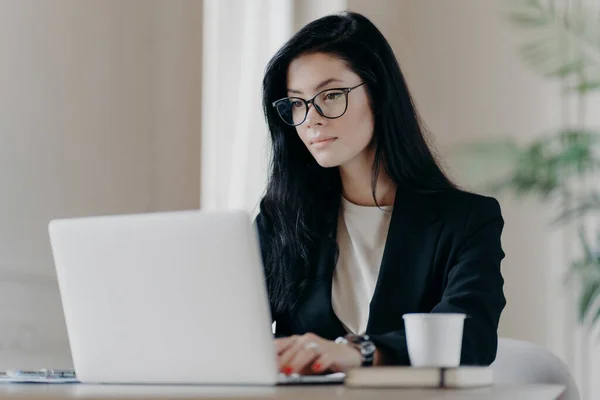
(99, 114)
(306, 11)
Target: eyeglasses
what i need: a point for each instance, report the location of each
(330, 103)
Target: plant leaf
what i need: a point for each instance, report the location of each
(596, 317)
(567, 69)
(587, 249)
(544, 167)
(565, 41)
(584, 87)
(586, 204)
(589, 294)
(548, 163)
(527, 20)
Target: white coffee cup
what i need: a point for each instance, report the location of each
(434, 340)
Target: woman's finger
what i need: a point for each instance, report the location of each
(302, 359)
(283, 344)
(322, 364)
(289, 353)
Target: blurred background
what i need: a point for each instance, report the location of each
(119, 106)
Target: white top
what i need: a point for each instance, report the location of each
(361, 236)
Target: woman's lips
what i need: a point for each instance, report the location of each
(323, 143)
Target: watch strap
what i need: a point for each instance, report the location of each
(363, 344)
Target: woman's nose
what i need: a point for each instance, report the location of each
(313, 117)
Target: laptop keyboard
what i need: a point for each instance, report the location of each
(296, 379)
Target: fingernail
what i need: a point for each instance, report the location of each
(317, 367)
(287, 370)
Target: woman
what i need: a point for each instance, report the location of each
(359, 225)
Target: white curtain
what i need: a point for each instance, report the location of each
(240, 37)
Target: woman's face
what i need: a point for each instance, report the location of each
(332, 142)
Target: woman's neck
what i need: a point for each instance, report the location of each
(356, 178)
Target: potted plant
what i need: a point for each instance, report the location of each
(561, 167)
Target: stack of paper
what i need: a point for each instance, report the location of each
(38, 376)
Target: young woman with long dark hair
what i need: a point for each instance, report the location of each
(359, 224)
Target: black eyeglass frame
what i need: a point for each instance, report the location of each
(312, 101)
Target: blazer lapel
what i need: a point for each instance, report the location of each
(407, 261)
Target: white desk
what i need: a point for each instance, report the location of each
(320, 392)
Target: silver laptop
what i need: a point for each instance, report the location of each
(167, 298)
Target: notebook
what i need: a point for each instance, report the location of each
(38, 376)
(461, 377)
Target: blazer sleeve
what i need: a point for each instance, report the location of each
(475, 287)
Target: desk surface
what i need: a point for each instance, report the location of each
(315, 392)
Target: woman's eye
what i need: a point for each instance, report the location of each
(297, 104)
(332, 96)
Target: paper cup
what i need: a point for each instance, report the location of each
(434, 340)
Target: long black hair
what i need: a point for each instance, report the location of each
(301, 203)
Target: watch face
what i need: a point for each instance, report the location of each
(367, 348)
(356, 339)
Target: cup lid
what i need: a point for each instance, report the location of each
(433, 315)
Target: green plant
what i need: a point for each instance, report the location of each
(563, 41)
(561, 167)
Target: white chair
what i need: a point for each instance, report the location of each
(519, 362)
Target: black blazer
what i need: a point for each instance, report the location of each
(442, 254)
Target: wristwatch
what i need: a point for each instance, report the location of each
(363, 344)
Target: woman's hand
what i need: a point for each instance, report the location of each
(310, 354)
